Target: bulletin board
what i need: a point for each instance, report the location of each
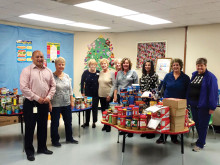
(163, 66)
(10, 68)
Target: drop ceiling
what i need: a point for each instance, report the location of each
(180, 12)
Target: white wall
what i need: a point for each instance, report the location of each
(125, 45)
(204, 41)
(81, 40)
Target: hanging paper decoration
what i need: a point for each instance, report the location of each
(99, 49)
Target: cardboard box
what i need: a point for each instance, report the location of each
(177, 119)
(176, 127)
(175, 103)
(164, 112)
(177, 112)
(5, 120)
(164, 125)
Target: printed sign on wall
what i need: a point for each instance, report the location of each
(24, 51)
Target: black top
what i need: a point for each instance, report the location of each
(89, 83)
(147, 82)
(195, 87)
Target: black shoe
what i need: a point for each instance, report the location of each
(150, 136)
(56, 144)
(121, 133)
(130, 135)
(93, 125)
(72, 141)
(47, 152)
(143, 135)
(30, 157)
(85, 125)
(175, 141)
(160, 141)
(108, 128)
(104, 127)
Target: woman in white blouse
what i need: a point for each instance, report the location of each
(62, 103)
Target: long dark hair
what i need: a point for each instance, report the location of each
(151, 69)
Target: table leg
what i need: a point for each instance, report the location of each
(22, 131)
(21, 119)
(123, 148)
(182, 149)
(118, 136)
(79, 124)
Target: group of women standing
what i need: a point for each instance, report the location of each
(201, 93)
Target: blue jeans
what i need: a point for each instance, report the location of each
(201, 118)
(67, 118)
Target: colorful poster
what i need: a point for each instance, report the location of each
(150, 50)
(53, 51)
(24, 51)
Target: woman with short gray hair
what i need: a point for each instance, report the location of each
(202, 98)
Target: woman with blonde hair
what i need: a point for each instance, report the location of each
(105, 88)
(62, 103)
(89, 87)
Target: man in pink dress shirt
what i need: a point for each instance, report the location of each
(38, 87)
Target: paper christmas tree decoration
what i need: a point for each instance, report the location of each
(98, 49)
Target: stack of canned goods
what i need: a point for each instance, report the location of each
(83, 102)
(10, 103)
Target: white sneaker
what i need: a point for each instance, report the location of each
(194, 144)
(196, 149)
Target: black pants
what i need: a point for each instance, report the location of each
(95, 102)
(31, 119)
(104, 103)
(55, 118)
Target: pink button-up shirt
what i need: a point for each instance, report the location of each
(36, 83)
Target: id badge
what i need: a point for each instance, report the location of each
(34, 109)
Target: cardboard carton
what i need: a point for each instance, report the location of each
(177, 112)
(5, 120)
(164, 125)
(164, 112)
(177, 120)
(176, 127)
(175, 103)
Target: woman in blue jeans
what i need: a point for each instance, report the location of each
(62, 103)
(202, 97)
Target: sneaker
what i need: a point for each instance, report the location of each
(194, 144)
(196, 149)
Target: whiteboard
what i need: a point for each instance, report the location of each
(163, 66)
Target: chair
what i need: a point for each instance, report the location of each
(211, 125)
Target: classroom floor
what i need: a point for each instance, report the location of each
(101, 148)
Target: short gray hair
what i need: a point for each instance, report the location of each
(201, 61)
(60, 60)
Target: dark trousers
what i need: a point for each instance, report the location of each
(201, 118)
(55, 118)
(31, 119)
(95, 102)
(104, 103)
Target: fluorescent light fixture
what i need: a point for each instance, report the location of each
(44, 18)
(106, 8)
(88, 26)
(147, 19)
